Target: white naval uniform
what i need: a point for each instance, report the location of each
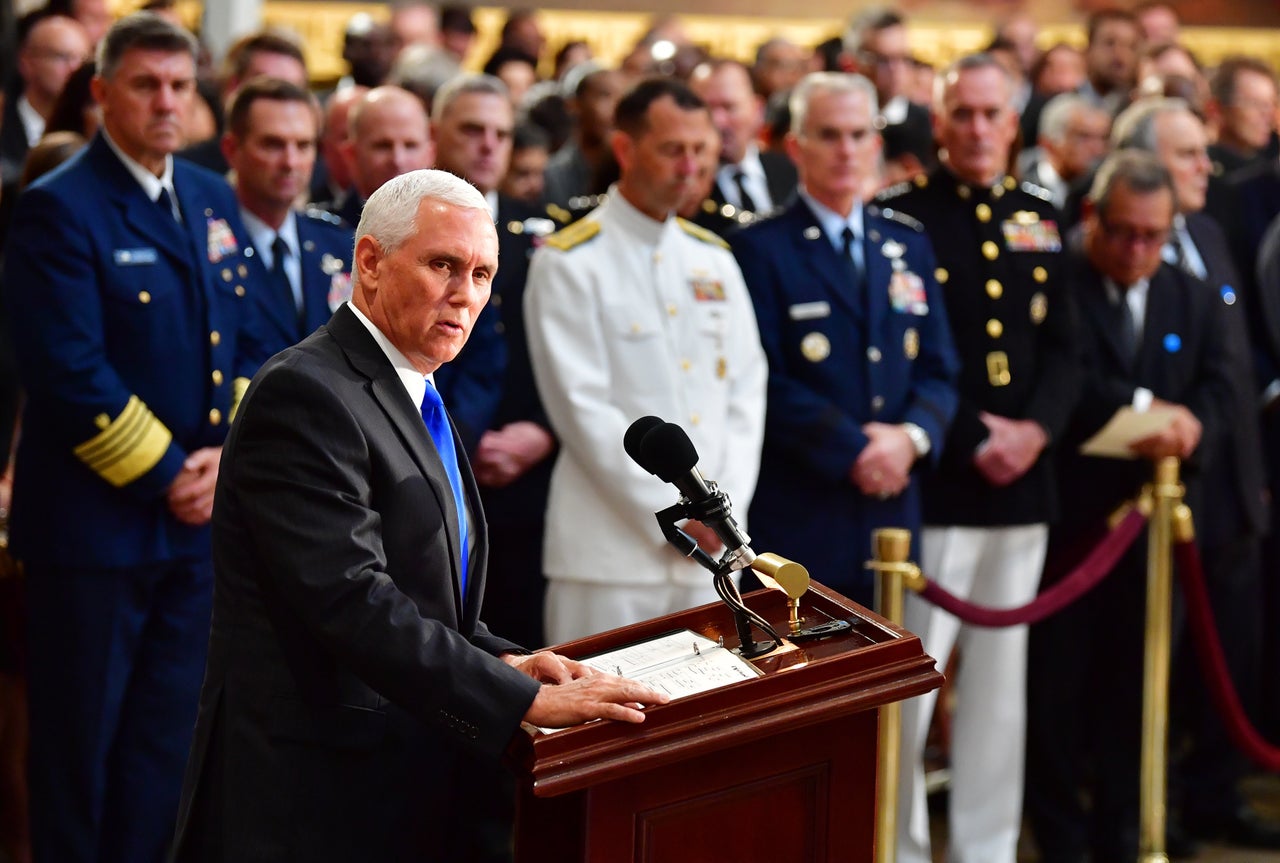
(637, 318)
(997, 567)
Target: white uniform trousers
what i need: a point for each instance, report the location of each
(998, 567)
(576, 609)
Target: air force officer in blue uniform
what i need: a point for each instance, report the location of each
(127, 285)
(861, 364)
(302, 259)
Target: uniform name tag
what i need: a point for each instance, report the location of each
(133, 257)
(809, 311)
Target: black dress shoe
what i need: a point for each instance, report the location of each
(1244, 828)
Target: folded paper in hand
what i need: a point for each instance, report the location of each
(1126, 428)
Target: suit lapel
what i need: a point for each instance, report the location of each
(1161, 329)
(140, 213)
(1095, 303)
(878, 273)
(389, 394)
(820, 259)
(282, 319)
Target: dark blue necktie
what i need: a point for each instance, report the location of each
(165, 200)
(851, 256)
(437, 423)
(279, 278)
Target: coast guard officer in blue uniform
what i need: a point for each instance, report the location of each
(129, 295)
(301, 259)
(861, 365)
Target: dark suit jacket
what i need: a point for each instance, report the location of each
(840, 356)
(131, 332)
(1234, 490)
(13, 144)
(1184, 358)
(348, 678)
(779, 175)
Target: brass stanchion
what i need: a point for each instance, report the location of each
(1166, 495)
(891, 547)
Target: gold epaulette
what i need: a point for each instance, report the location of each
(701, 233)
(559, 214)
(574, 235)
(126, 447)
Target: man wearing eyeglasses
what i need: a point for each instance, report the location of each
(1150, 335)
(876, 46)
(988, 505)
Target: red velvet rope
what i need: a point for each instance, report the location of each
(1082, 579)
(1213, 665)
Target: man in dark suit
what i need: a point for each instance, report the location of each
(301, 260)
(505, 431)
(877, 45)
(1149, 334)
(351, 684)
(1235, 515)
(861, 365)
(748, 180)
(988, 507)
(129, 292)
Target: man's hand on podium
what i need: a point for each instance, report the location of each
(573, 693)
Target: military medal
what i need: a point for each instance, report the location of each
(906, 293)
(815, 347)
(1027, 232)
(707, 289)
(330, 265)
(222, 242)
(911, 343)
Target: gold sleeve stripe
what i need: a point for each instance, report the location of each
(238, 388)
(128, 447)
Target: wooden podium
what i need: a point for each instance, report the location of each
(781, 768)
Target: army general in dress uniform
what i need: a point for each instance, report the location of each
(988, 506)
(130, 297)
(861, 364)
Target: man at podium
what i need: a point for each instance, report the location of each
(351, 684)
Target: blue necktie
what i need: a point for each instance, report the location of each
(851, 255)
(437, 423)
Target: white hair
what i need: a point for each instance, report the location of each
(1058, 112)
(827, 82)
(391, 214)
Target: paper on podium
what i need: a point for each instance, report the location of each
(1126, 427)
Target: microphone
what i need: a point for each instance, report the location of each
(635, 434)
(665, 450)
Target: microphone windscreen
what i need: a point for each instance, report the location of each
(667, 451)
(635, 434)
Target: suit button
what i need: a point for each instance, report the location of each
(215, 338)
(144, 297)
(217, 378)
(994, 289)
(695, 419)
(994, 328)
(215, 417)
(239, 290)
(983, 212)
(495, 301)
(990, 250)
(685, 365)
(941, 275)
(873, 354)
(672, 311)
(1040, 274)
(877, 404)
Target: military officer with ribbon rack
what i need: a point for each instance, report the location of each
(988, 506)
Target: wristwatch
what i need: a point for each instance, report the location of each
(919, 439)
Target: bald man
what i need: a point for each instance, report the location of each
(389, 135)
